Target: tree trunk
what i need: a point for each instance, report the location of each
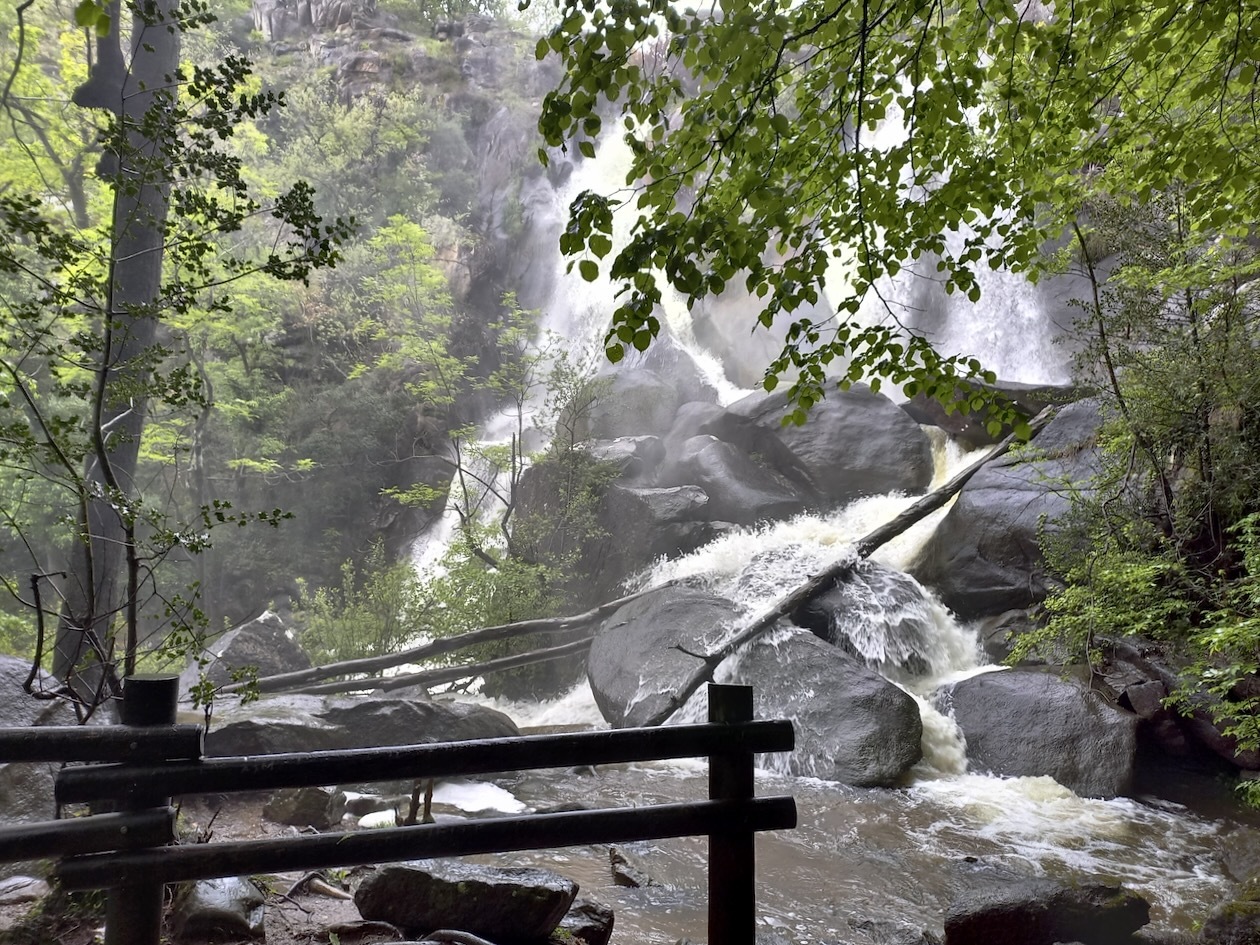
(98, 587)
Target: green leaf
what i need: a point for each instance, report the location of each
(589, 270)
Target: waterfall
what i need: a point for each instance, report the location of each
(857, 852)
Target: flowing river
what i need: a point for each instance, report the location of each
(864, 865)
(888, 856)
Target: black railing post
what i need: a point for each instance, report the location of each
(732, 860)
(133, 913)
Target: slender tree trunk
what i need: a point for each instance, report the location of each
(104, 576)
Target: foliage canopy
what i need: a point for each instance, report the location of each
(831, 144)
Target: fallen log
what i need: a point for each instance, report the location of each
(436, 677)
(374, 664)
(825, 579)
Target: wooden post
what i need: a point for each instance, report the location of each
(732, 859)
(133, 913)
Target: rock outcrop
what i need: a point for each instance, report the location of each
(856, 442)
(1036, 911)
(1024, 723)
(985, 556)
(318, 723)
(506, 905)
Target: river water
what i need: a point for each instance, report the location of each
(861, 855)
(892, 857)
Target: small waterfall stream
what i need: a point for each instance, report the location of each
(884, 856)
(863, 863)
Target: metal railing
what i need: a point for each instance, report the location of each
(148, 759)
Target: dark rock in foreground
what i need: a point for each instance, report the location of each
(1022, 723)
(1038, 911)
(218, 908)
(1236, 922)
(508, 906)
(586, 923)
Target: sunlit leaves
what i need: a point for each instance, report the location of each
(772, 137)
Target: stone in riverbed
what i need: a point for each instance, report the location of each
(507, 905)
(586, 923)
(1036, 911)
(1236, 922)
(1029, 724)
(318, 807)
(231, 907)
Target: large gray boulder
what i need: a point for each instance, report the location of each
(759, 441)
(852, 725)
(1024, 723)
(740, 489)
(855, 443)
(633, 402)
(985, 557)
(322, 723)
(640, 526)
(264, 644)
(637, 661)
(1037, 911)
(26, 789)
(506, 905)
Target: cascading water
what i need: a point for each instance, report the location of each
(863, 863)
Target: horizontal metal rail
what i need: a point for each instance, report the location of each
(534, 832)
(447, 759)
(120, 743)
(95, 834)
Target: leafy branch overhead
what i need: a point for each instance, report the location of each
(830, 145)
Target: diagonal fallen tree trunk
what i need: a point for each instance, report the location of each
(825, 579)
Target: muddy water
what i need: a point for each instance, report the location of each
(893, 855)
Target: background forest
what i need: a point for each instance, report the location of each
(340, 266)
(330, 409)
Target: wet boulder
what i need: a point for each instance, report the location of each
(320, 723)
(756, 440)
(506, 905)
(1237, 921)
(586, 923)
(318, 807)
(1022, 723)
(640, 655)
(740, 489)
(633, 457)
(264, 644)
(1036, 911)
(852, 725)
(228, 908)
(855, 443)
(882, 616)
(26, 789)
(985, 556)
(632, 402)
(641, 525)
